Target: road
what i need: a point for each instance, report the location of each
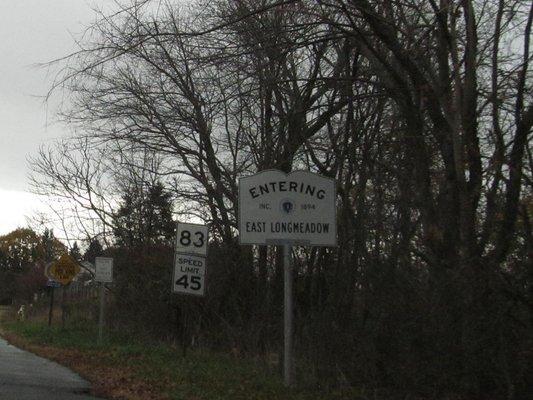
(24, 376)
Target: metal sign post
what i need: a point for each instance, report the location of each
(50, 312)
(103, 274)
(101, 316)
(288, 314)
(49, 272)
(63, 306)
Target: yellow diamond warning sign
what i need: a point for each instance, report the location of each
(63, 270)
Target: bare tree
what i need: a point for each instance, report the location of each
(422, 111)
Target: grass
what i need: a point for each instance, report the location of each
(126, 368)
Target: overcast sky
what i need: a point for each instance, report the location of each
(32, 32)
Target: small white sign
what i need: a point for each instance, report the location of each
(298, 207)
(189, 274)
(103, 269)
(191, 239)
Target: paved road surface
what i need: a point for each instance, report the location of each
(24, 376)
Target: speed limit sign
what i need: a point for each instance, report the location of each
(190, 261)
(189, 275)
(191, 239)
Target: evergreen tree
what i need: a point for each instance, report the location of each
(144, 218)
(75, 252)
(52, 248)
(94, 250)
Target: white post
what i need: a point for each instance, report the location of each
(101, 317)
(287, 355)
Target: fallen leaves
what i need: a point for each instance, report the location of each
(109, 377)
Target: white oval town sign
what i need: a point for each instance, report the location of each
(298, 207)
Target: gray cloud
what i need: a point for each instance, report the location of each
(32, 32)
